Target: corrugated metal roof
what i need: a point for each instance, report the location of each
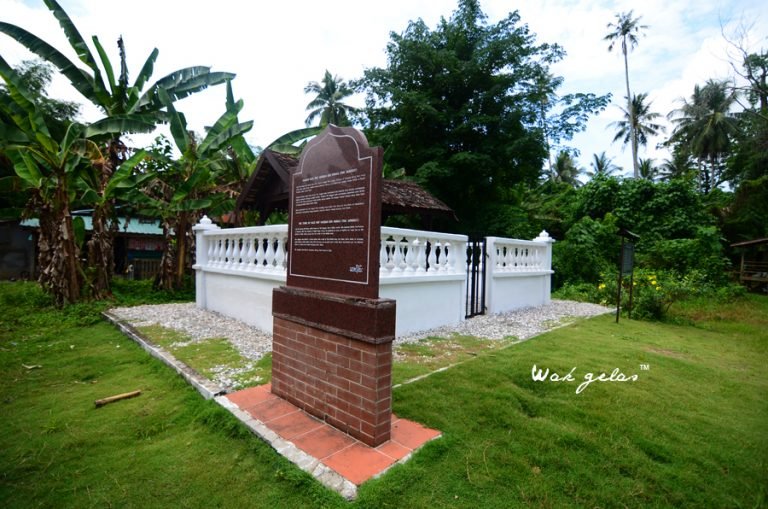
(133, 225)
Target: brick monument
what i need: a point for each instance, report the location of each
(332, 335)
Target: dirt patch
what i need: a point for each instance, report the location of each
(668, 353)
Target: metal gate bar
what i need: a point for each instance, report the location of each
(476, 256)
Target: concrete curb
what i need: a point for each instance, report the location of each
(208, 389)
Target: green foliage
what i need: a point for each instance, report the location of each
(653, 291)
(463, 108)
(589, 248)
(328, 104)
(676, 231)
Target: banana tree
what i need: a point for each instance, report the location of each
(47, 168)
(182, 189)
(127, 108)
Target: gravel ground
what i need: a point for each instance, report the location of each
(253, 344)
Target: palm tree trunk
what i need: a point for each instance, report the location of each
(631, 110)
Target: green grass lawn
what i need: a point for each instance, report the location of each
(691, 431)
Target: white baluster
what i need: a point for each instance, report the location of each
(251, 254)
(220, 249)
(235, 253)
(447, 262)
(269, 256)
(397, 258)
(410, 256)
(228, 252)
(259, 253)
(211, 250)
(279, 255)
(421, 255)
(432, 258)
(383, 258)
(391, 255)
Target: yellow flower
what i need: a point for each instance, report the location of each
(601, 286)
(658, 288)
(653, 283)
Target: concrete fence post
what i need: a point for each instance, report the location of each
(545, 238)
(201, 259)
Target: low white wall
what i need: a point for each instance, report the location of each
(426, 304)
(237, 269)
(421, 305)
(248, 299)
(507, 292)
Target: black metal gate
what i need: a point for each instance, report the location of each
(476, 257)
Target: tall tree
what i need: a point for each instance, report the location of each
(181, 189)
(460, 108)
(626, 30)
(35, 77)
(126, 108)
(707, 126)
(49, 165)
(638, 124)
(328, 104)
(648, 170)
(602, 165)
(565, 170)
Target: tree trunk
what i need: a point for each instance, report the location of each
(181, 249)
(165, 277)
(101, 252)
(631, 111)
(59, 256)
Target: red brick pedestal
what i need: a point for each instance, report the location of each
(332, 357)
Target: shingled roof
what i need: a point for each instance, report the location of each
(269, 186)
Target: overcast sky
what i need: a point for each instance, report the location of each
(276, 48)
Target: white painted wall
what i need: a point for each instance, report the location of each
(507, 292)
(248, 299)
(423, 305)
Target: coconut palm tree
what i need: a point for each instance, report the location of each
(565, 170)
(648, 170)
(638, 125)
(707, 126)
(328, 104)
(602, 165)
(626, 29)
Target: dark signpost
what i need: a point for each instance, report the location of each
(626, 268)
(332, 335)
(336, 216)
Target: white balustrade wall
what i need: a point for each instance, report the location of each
(518, 273)
(425, 272)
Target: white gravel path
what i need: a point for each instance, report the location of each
(253, 344)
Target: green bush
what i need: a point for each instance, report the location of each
(654, 291)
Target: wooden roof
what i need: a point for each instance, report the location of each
(269, 186)
(750, 242)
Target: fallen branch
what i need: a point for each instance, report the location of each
(33, 366)
(118, 397)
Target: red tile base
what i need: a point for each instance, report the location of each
(349, 457)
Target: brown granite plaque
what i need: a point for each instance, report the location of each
(336, 215)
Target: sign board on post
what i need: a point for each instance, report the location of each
(332, 334)
(336, 215)
(627, 258)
